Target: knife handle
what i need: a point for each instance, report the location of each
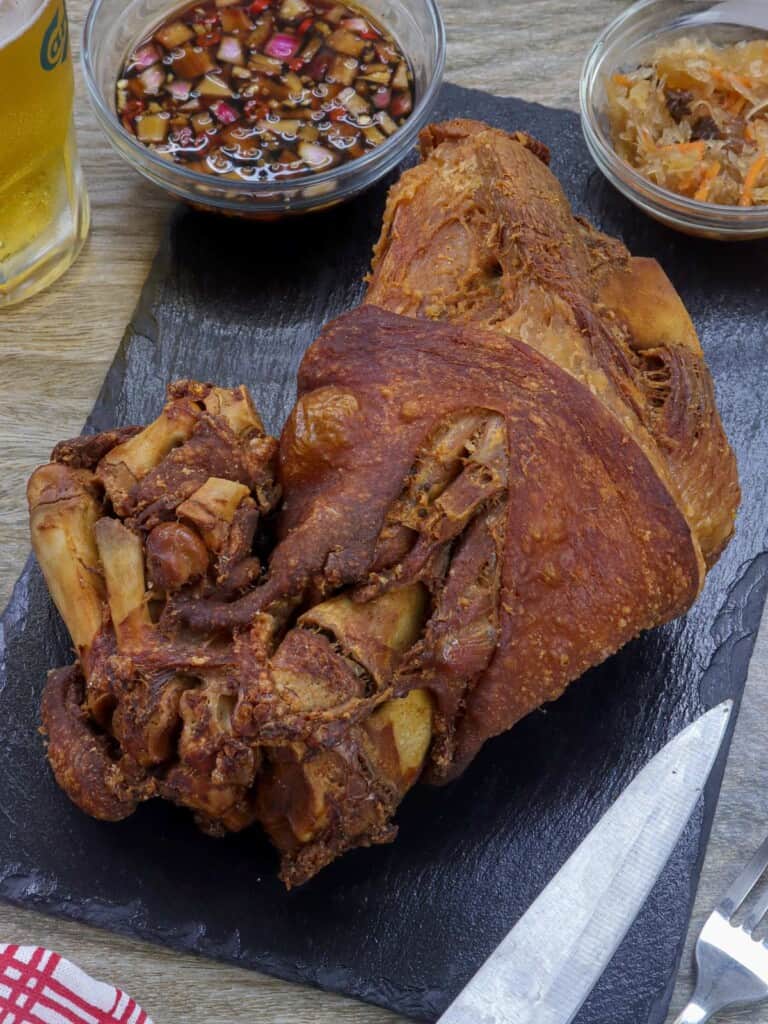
(693, 1014)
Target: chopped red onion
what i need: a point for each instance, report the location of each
(152, 79)
(282, 46)
(358, 25)
(402, 104)
(146, 55)
(179, 89)
(224, 113)
(230, 50)
(315, 156)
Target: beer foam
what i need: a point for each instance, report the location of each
(15, 16)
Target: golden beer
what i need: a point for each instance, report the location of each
(43, 203)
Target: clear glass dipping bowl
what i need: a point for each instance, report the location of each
(623, 45)
(114, 26)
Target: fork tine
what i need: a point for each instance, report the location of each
(745, 883)
(756, 914)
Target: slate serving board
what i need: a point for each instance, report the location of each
(404, 926)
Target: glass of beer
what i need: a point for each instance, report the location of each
(44, 212)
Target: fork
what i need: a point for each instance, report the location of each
(732, 965)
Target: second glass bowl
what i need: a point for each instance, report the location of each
(625, 43)
(114, 26)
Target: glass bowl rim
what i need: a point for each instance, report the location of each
(344, 173)
(744, 218)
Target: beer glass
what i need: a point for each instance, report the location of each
(43, 203)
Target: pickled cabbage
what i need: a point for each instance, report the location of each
(694, 119)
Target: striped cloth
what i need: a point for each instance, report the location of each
(41, 987)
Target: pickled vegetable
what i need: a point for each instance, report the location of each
(694, 119)
(265, 90)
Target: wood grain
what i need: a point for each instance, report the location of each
(54, 351)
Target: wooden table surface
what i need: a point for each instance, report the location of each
(54, 351)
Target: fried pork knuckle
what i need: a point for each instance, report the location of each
(500, 469)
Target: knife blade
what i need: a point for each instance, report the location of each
(549, 962)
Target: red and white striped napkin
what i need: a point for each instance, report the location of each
(41, 987)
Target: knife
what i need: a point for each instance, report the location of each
(551, 960)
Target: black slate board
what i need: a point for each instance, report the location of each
(404, 926)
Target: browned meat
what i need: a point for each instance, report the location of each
(176, 555)
(574, 542)
(217, 721)
(104, 785)
(484, 497)
(87, 452)
(481, 233)
(150, 714)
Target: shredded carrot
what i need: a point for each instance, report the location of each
(754, 172)
(742, 81)
(736, 104)
(697, 124)
(731, 80)
(709, 176)
(719, 75)
(686, 147)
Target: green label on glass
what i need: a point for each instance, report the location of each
(55, 41)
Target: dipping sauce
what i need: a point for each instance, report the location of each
(265, 90)
(694, 119)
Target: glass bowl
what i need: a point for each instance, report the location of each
(623, 45)
(114, 26)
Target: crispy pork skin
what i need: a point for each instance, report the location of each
(502, 467)
(481, 233)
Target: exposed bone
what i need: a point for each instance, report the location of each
(212, 508)
(482, 479)
(212, 450)
(155, 714)
(436, 466)
(216, 770)
(63, 508)
(146, 721)
(374, 634)
(125, 465)
(317, 805)
(318, 683)
(122, 560)
(408, 720)
(235, 405)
